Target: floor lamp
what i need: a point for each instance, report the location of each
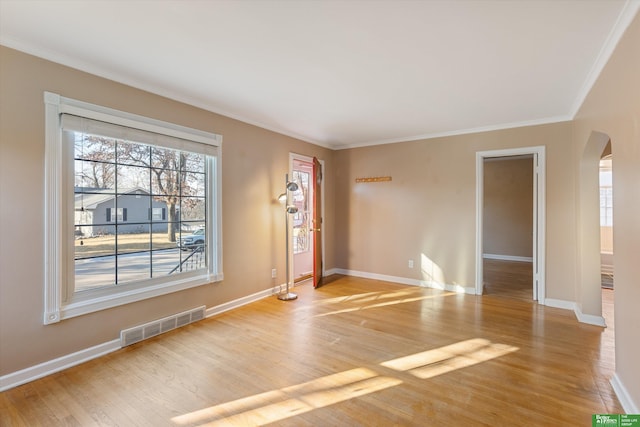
(288, 209)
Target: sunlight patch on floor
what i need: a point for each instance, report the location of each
(276, 405)
(365, 296)
(386, 303)
(445, 359)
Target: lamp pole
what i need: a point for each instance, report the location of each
(289, 186)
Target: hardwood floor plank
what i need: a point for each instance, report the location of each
(353, 352)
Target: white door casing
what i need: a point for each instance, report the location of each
(539, 197)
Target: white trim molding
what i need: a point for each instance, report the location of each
(559, 303)
(628, 13)
(629, 406)
(539, 215)
(589, 319)
(508, 257)
(236, 303)
(32, 373)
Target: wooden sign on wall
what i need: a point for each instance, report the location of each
(374, 179)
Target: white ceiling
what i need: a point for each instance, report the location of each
(339, 73)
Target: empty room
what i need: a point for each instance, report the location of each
(319, 212)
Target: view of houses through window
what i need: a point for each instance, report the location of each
(302, 218)
(137, 207)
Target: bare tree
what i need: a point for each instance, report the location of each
(97, 169)
(171, 179)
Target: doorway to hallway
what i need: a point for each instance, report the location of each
(508, 226)
(537, 277)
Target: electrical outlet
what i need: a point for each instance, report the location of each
(410, 263)
(273, 273)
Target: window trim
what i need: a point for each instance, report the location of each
(57, 306)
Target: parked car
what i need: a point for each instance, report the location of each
(192, 241)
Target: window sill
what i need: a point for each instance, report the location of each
(97, 300)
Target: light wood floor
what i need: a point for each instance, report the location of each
(353, 352)
(509, 279)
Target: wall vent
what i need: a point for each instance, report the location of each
(157, 327)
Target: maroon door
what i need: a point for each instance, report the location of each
(317, 223)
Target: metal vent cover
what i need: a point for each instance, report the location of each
(157, 327)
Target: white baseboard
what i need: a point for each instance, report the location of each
(331, 271)
(244, 300)
(32, 373)
(589, 319)
(26, 375)
(407, 281)
(559, 303)
(623, 395)
(508, 257)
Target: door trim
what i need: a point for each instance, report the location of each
(539, 212)
(309, 159)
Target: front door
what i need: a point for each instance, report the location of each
(306, 224)
(302, 237)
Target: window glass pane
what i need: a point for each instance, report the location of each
(134, 266)
(130, 177)
(165, 182)
(133, 154)
(164, 158)
(190, 227)
(192, 244)
(190, 260)
(194, 184)
(192, 209)
(94, 258)
(166, 261)
(192, 162)
(133, 212)
(95, 148)
(93, 175)
(135, 240)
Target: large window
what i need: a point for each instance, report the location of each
(125, 195)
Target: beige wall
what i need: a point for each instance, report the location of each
(613, 109)
(254, 162)
(427, 212)
(508, 207)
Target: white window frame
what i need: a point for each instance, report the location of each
(60, 300)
